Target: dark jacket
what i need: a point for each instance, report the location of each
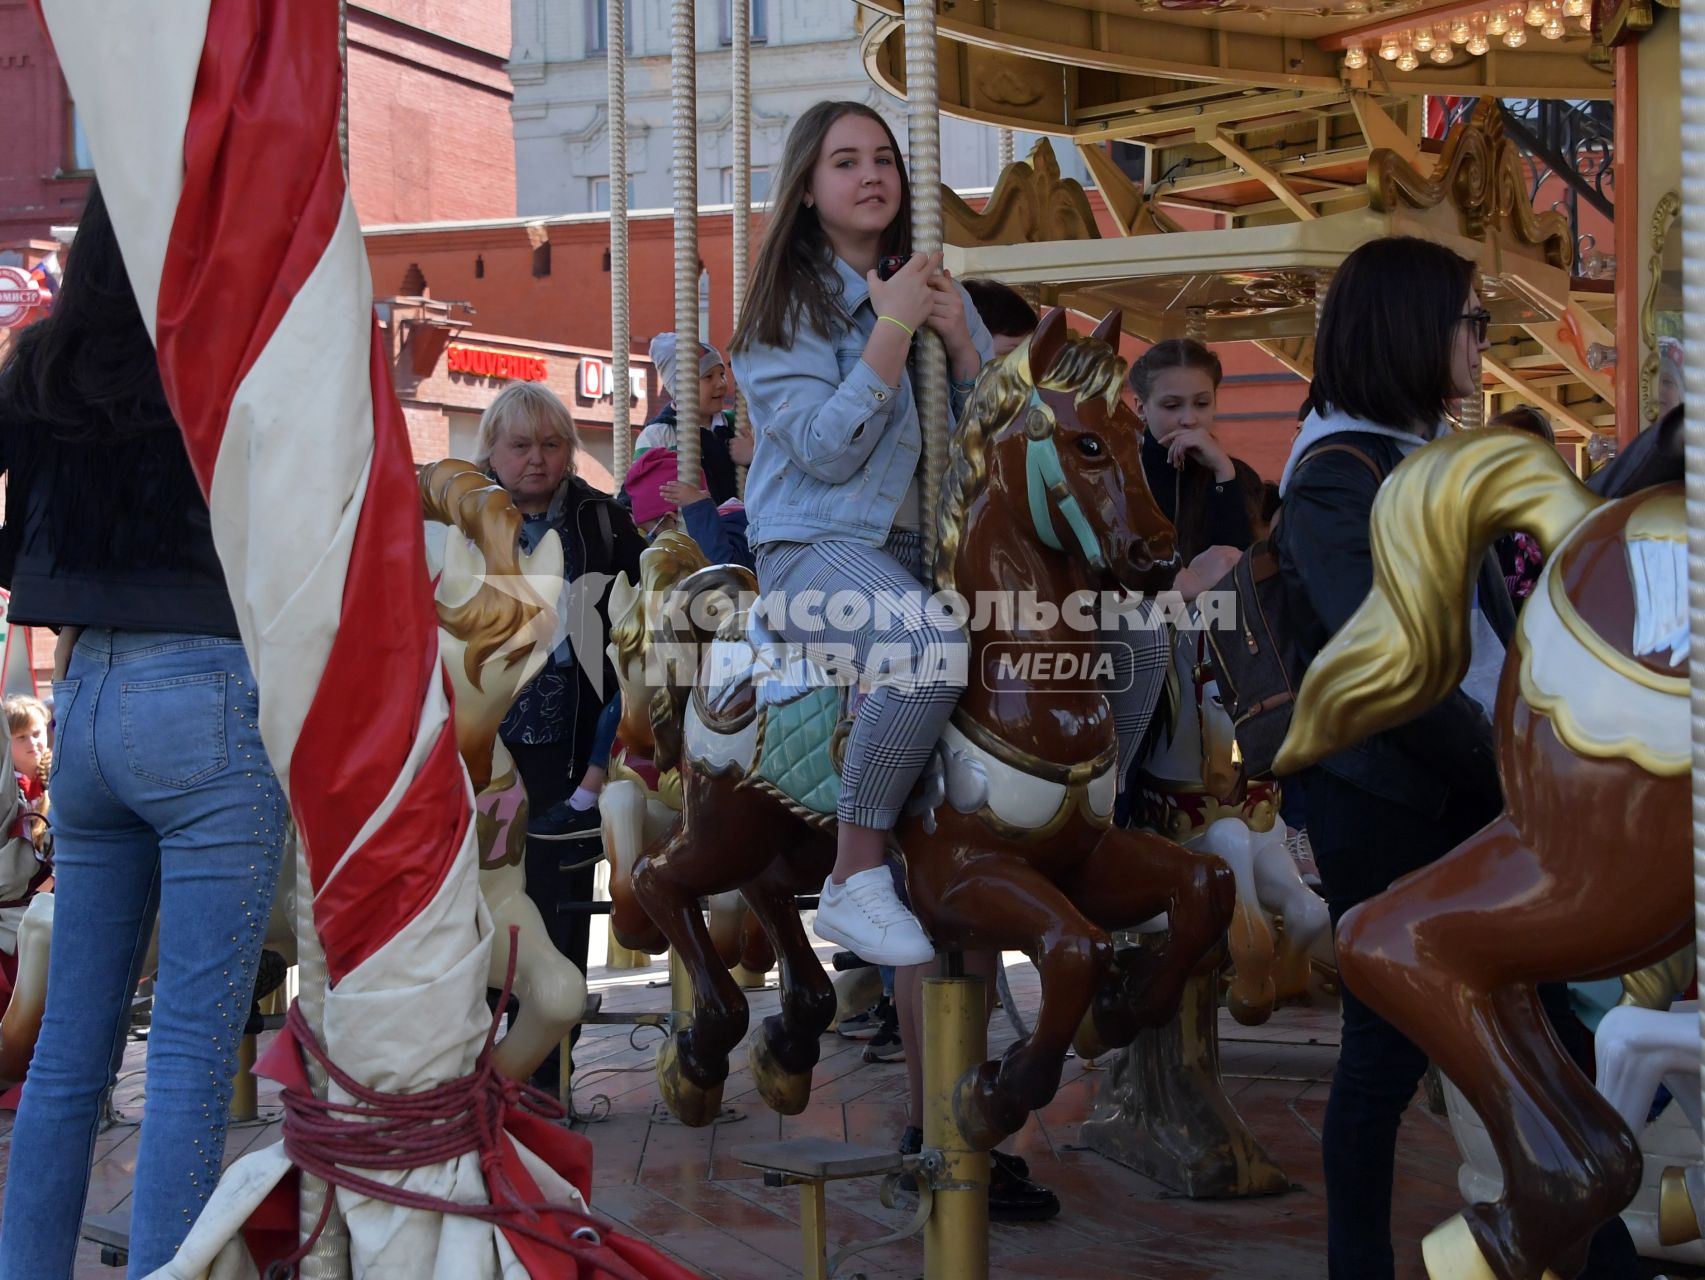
(181, 589)
(1213, 514)
(1443, 756)
(598, 537)
(719, 531)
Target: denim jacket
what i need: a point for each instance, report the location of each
(836, 446)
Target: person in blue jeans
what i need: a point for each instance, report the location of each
(165, 805)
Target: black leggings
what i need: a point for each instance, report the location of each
(549, 774)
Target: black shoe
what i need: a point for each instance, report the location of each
(1016, 1166)
(886, 1046)
(1016, 1199)
(911, 1141)
(562, 821)
(862, 1026)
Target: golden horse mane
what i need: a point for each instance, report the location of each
(1091, 369)
(460, 495)
(1407, 646)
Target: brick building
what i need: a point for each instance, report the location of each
(429, 99)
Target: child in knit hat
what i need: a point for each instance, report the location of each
(662, 502)
(720, 448)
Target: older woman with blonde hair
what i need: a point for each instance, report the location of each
(528, 442)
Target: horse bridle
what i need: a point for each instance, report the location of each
(1046, 478)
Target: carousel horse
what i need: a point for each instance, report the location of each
(1191, 789)
(498, 623)
(1162, 1108)
(1008, 841)
(639, 804)
(1586, 872)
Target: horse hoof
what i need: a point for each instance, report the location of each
(783, 1091)
(972, 1113)
(1451, 1252)
(691, 1105)
(1087, 1043)
(1250, 1013)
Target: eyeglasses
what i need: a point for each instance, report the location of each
(1482, 322)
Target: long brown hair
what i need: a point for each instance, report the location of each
(1190, 514)
(793, 279)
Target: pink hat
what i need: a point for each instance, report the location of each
(645, 479)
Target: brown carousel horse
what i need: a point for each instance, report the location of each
(1008, 842)
(1586, 873)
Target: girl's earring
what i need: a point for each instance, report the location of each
(810, 203)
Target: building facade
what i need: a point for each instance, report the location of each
(804, 51)
(429, 118)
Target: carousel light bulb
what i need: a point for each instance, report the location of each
(1553, 28)
(1477, 44)
(1442, 53)
(1517, 12)
(1460, 31)
(1388, 49)
(1441, 33)
(1536, 13)
(1515, 38)
(1497, 22)
(1421, 40)
(1355, 57)
(1574, 8)
(1407, 61)
(1587, 20)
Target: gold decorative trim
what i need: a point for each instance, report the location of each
(1031, 203)
(1067, 775)
(1664, 216)
(822, 821)
(1480, 175)
(1601, 650)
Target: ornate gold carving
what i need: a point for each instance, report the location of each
(1668, 209)
(1480, 175)
(1263, 293)
(1031, 203)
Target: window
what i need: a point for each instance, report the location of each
(760, 21)
(760, 185)
(78, 157)
(598, 26)
(601, 194)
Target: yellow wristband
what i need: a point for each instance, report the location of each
(910, 332)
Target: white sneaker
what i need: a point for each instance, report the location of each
(865, 916)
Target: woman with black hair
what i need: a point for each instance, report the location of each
(1399, 342)
(164, 802)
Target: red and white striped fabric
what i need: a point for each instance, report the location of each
(213, 125)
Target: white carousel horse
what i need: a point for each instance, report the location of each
(498, 623)
(1190, 791)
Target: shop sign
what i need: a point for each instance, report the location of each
(19, 295)
(488, 362)
(597, 380)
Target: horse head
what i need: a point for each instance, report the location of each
(637, 615)
(1049, 419)
(498, 606)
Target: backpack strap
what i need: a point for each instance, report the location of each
(1368, 462)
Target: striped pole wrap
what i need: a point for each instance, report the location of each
(923, 145)
(1693, 294)
(215, 130)
(683, 70)
(621, 420)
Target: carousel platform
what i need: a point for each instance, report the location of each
(688, 1192)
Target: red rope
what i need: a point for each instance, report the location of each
(399, 1131)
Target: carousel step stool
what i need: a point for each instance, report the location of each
(810, 1164)
(111, 1231)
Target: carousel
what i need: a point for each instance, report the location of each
(1240, 150)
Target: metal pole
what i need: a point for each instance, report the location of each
(923, 128)
(1693, 282)
(616, 60)
(741, 75)
(956, 1237)
(1004, 152)
(680, 994)
(683, 70)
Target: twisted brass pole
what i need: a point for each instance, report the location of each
(683, 70)
(621, 421)
(923, 127)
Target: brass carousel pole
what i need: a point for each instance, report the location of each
(741, 76)
(956, 1237)
(683, 72)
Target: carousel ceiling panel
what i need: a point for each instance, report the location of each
(1137, 70)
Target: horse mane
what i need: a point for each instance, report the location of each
(460, 495)
(664, 567)
(1407, 645)
(1089, 368)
